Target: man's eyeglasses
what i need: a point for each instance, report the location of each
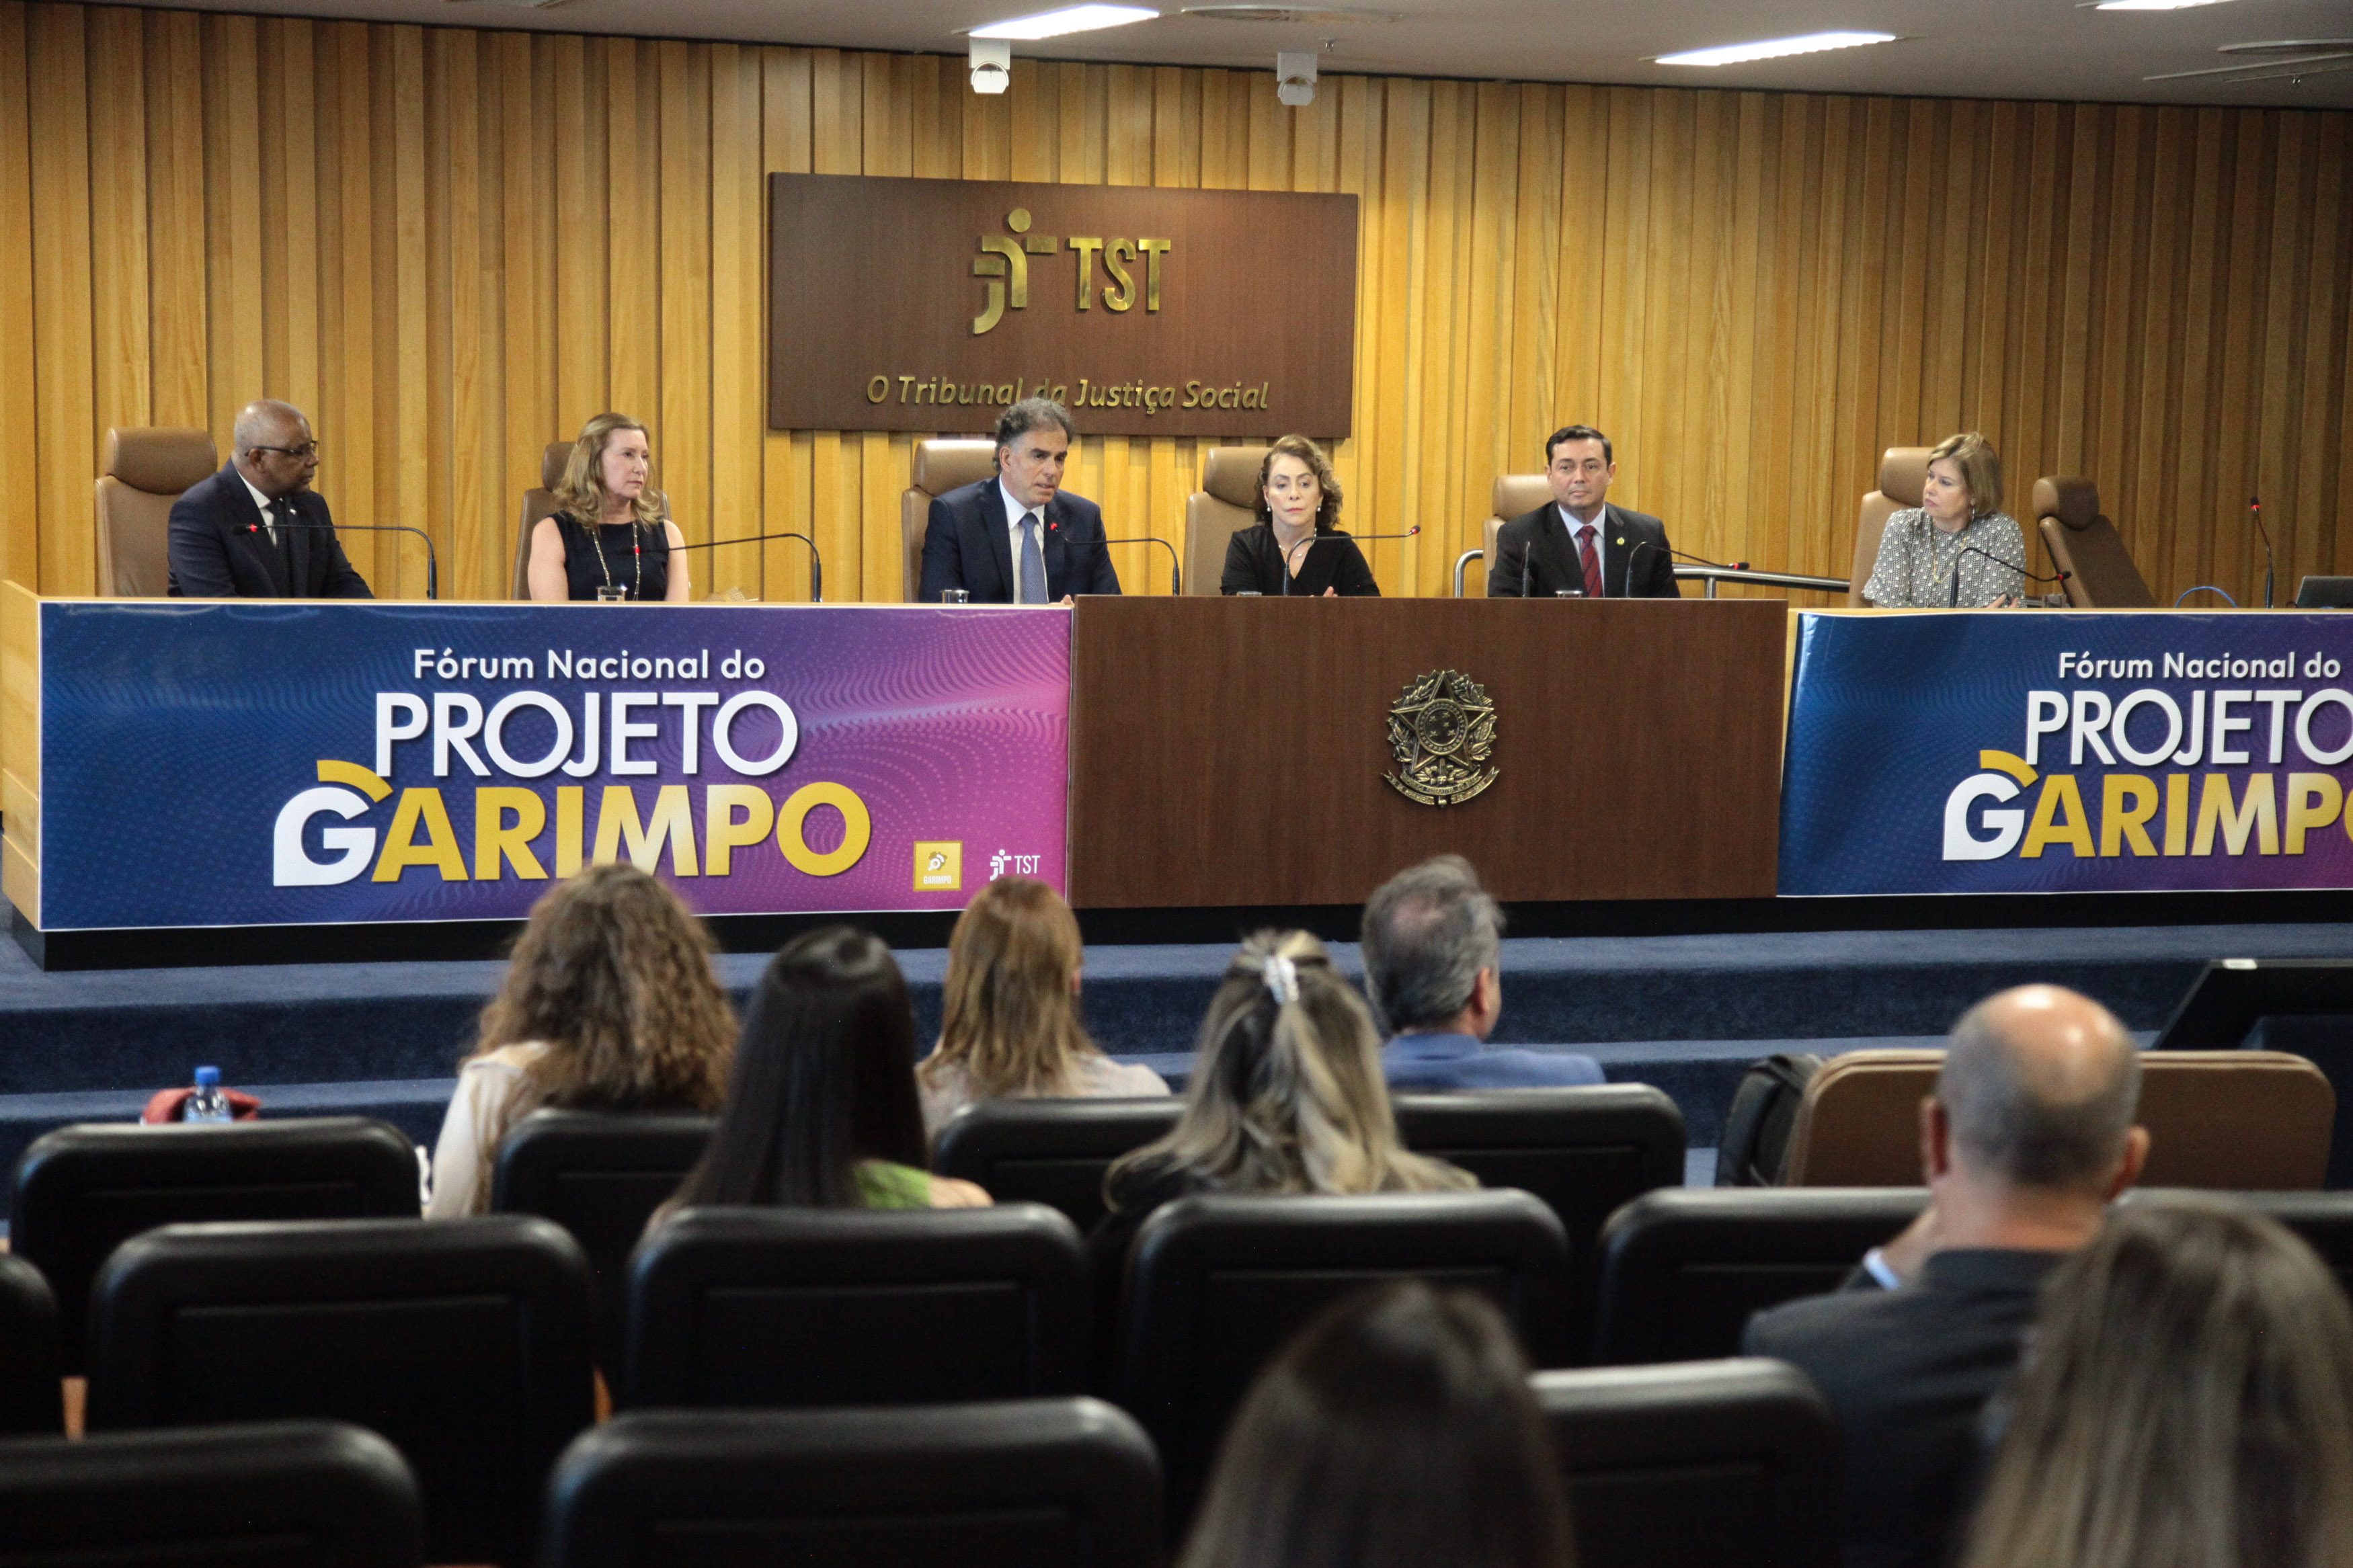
(305, 452)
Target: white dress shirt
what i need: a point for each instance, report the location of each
(261, 505)
(1601, 521)
(1014, 512)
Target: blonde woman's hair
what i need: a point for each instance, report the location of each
(2187, 1402)
(1007, 1018)
(582, 492)
(612, 976)
(1287, 1094)
(1309, 453)
(1981, 468)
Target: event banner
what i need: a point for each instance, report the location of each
(2018, 751)
(265, 764)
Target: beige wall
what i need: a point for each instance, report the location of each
(453, 245)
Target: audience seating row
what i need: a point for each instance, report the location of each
(1704, 1464)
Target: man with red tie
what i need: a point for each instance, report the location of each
(1581, 543)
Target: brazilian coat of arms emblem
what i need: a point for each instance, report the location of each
(1441, 731)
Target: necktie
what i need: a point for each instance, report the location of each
(1589, 561)
(1033, 564)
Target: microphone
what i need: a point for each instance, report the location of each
(1176, 567)
(432, 562)
(816, 566)
(1953, 600)
(1315, 539)
(2256, 510)
(1704, 561)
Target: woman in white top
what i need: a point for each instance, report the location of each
(609, 1004)
(1009, 1026)
(1957, 548)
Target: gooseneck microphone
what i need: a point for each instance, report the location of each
(2256, 510)
(1176, 567)
(816, 564)
(1953, 599)
(1312, 540)
(432, 562)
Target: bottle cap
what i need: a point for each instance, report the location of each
(208, 1078)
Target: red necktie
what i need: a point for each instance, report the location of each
(1592, 562)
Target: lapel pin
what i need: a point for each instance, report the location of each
(1621, 540)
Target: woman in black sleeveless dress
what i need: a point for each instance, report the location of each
(609, 535)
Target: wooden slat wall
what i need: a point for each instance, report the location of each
(452, 246)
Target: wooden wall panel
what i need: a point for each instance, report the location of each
(452, 246)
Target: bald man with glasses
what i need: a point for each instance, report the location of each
(256, 529)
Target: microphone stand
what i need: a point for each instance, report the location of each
(1953, 599)
(816, 566)
(1176, 567)
(432, 562)
(1283, 565)
(2256, 510)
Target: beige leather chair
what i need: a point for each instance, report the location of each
(536, 504)
(1903, 472)
(1226, 504)
(941, 465)
(143, 471)
(2232, 1121)
(2086, 546)
(1512, 495)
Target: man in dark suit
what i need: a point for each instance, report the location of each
(1432, 945)
(1581, 541)
(2029, 1136)
(1017, 539)
(256, 529)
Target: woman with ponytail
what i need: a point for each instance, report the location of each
(1287, 1097)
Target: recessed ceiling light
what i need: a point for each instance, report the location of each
(1773, 48)
(1069, 19)
(2145, 4)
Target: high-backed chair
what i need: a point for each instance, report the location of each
(1216, 1284)
(600, 1175)
(1902, 473)
(1696, 1465)
(143, 471)
(2237, 1120)
(463, 1343)
(81, 1192)
(1682, 1269)
(537, 503)
(30, 1395)
(2086, 546)
(1226, 504)
(259, 1495)
(940, 465)
(1512, 495)
(1585, 1152)
(1051, 1483)
(797, 1306)
(1051, 1152)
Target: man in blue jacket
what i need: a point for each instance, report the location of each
(1434, 946)
(1018, 538)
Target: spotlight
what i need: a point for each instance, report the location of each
(992, 64)
(1294, 77)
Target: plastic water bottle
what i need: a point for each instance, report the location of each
(208, 1103)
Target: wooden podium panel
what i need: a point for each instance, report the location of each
(1231, 752)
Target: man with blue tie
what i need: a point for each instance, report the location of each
(1018, 538)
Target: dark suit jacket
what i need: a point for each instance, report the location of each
(218, 553)
(1633, 548)
(967, 546)
(1908, 1373)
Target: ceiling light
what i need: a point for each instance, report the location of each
(2149, 5)
(1069, 19)
(991, 63)
(1773, 48)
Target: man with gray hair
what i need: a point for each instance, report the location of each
(1432, 944)
(1018, 538)
(256, 529)
(2028, 1137)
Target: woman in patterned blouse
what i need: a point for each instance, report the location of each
(1958, 529)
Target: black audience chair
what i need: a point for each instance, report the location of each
(81, 1192)
(1051, 1152)
(1681, 1270)
(2324, 1220)
(1033, 1483)
(465, 1344)
(1216, 1284)
(1585, 1152)
(1710, 1463)
(262, 1496)
(31, 1398)
(784, 1307)
(600, 1175)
